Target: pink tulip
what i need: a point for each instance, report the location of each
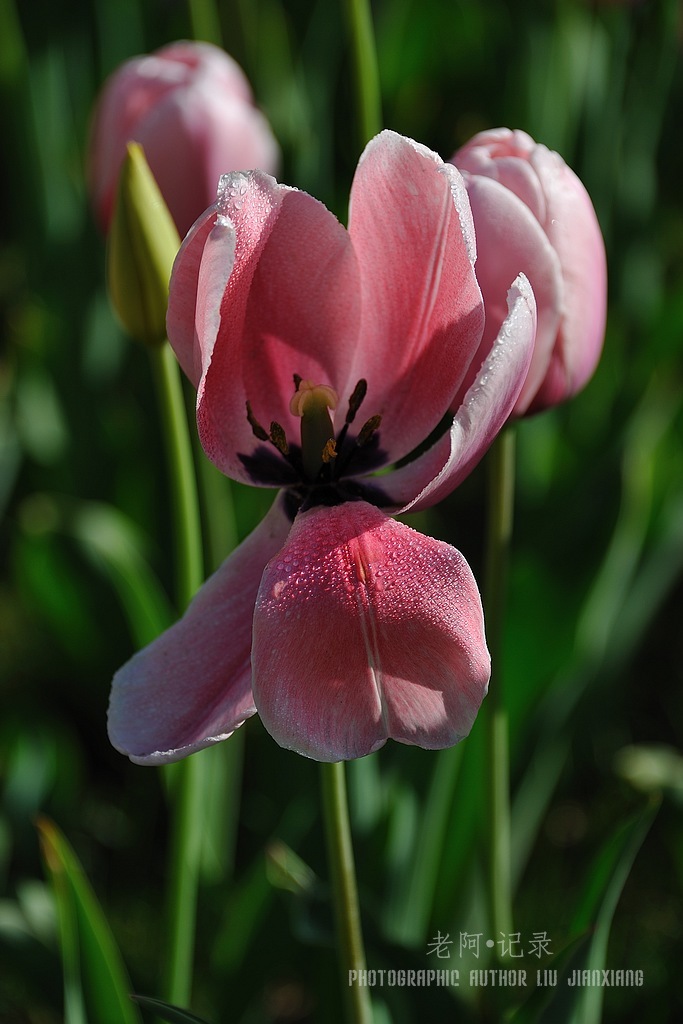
(531, 213)
(190, 107)
(320, 356)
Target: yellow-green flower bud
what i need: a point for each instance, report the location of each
(143, 242)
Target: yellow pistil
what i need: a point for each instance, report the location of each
(312, 403)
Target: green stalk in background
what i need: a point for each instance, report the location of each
(142, 245)
(183, 485)
(368, 95)
(188, 777)
(501, 465)
(205, 21)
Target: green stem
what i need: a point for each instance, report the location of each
(182, 481)
(499, 535)
(184, 863)
(365, 63)
(186, 778)
(421, 892)
(205, 21)
(345, 892)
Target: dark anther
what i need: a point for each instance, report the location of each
(368, 429)
(277, 436)
(330, 450)
(297, 381)
(255, 425)
(356, 398)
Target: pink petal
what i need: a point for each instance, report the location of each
(191, 687)
(557, 198)
(182, 301)
(290, 306)
(573, 230)
(506, 156)
(190, 106)
(219, 133)
(483, 413)
(212, 62)
(126, 98)
(422, 314)
(366, 630)
(510, 240)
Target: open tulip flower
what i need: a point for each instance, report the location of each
(322, 359)
(531, 212)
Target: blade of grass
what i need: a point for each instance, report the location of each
(607, 879)
(165, 1011)
(89, 949)
(111, 542)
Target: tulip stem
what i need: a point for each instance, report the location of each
(368, 94)
(187, 778)
(189, 559)
(501, 464)
(206, 25)
(345, 891)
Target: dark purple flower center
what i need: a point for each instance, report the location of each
(324, 468)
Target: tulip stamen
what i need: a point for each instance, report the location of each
(278, 438)
(329, 451)
(356, 399)
(258, 430)
(368, 429)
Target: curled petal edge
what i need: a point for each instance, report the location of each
(485, 409)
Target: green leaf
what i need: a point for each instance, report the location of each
(551, 1005)
(608, 876)
(609, 872)
(115, 546)
(166, 1011)
(591, 928)
(94, 974)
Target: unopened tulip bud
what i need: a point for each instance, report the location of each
(190, 107)
(533, 215)
(143, 242)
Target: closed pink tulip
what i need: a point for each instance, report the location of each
(190, 107)
(320, 356)
(532, 213)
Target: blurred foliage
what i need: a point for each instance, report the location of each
(593, 649)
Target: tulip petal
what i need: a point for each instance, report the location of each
(187, 99)
(127, 97)
(574, 232)
(191, 687)
(484, 411)
(506, 156)
(220, 133)
(558, 200)
(422, 312)
(212, 62)
(288, 277)
(510, 240)
(183, 309)
(365, 630)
